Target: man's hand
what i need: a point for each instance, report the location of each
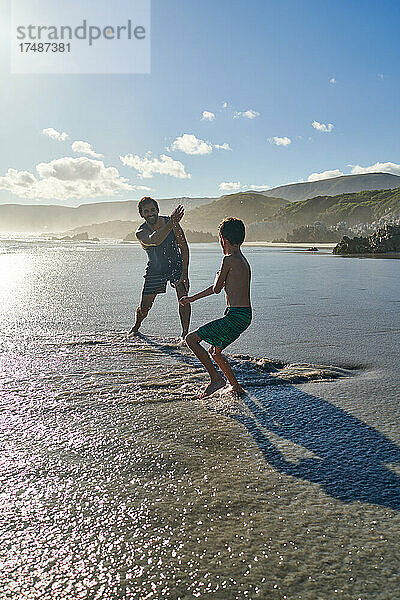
(185, 300)
(177, 215)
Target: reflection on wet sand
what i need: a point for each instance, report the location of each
(349, 458)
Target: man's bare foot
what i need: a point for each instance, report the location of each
(181, 341)
(133, 331)
(236, 389)
(212, 387)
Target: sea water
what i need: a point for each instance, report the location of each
(118, 482)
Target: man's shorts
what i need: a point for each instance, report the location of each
(223, 332)
(156, 283)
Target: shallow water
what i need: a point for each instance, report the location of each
(117, 482)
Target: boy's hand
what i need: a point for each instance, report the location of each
(185, 300)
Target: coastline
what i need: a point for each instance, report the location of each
(290, 244)
(38, 237)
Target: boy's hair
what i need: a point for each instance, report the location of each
(233, 230)
(146, 200)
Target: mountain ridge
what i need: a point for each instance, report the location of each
(31, 218)
(294, 192)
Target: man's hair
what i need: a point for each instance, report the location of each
(232, 230)
(146, 200)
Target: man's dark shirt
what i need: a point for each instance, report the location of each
(165, 258)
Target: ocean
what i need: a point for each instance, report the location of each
(119, 482)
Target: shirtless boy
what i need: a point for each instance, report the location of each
(234, 276)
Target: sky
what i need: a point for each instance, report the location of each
(241, 95)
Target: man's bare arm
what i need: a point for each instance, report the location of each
(157, 237)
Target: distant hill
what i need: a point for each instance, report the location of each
(337, 185)
(202, 213)
(361, 207)
(246, 206)
(125, 230)
(249, 207)
(27, 218)
(116, 230)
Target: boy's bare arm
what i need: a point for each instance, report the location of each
(188, 299)
(221, 276)
(213, 289)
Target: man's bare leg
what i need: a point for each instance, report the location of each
(142, 311)
(217, 382)
(184, 311)
(226, 369)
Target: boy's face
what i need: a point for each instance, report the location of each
(150, 213)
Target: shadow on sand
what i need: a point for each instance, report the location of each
(349, 459)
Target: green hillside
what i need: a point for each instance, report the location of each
(359, 207)
(248, 207)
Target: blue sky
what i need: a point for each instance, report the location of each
(266, 70)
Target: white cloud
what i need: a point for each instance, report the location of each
(144, 188)
(259, 187)
(229, 186)
(325, 175)
(17, 180)
(222, 146)
(378, 167)
(190, 144)
(247, 114)
(66, 178)
(54, 134)
(85, 148)
(332, 80)
(280, 141)
(322, 127)
(147, 166)
(207, 116)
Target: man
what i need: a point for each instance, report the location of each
(168, 259)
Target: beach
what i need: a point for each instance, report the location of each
(118, 482)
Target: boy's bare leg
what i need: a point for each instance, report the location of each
(184, 311)
(217, 382)
(226, 369)
(142, 311)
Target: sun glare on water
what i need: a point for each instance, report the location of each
(14, 285)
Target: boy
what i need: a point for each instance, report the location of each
(234, 276)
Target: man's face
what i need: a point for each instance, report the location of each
(150, 213)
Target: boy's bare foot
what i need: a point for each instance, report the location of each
(212, 387)
(236, 389)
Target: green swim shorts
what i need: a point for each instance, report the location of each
(223, 332)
